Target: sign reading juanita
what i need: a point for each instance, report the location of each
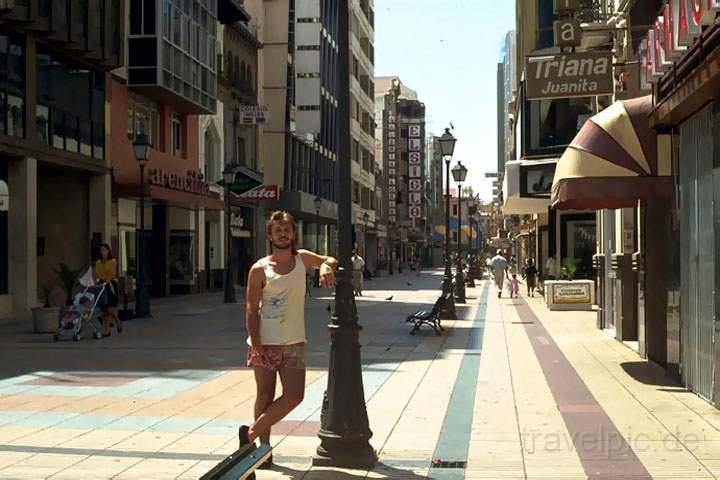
(582, 74)
(192, 182)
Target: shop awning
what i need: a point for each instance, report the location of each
(615, 160)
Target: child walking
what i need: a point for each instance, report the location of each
(514, 286)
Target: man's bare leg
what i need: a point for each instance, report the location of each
(265, 380)
(293, 385)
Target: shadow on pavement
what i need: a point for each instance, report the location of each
(647, 373)
(381, 470)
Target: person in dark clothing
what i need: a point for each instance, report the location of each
(530, 273)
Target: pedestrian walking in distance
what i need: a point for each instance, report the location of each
(514, 286)
(358, 266)
(498, 265)
(276, 324)
(530, 274)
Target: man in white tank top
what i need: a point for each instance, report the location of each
(275, 316)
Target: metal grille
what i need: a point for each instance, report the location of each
(698, 256)
(594, 11)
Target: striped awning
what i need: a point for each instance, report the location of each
(615, 160)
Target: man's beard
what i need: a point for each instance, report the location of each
(275, 246)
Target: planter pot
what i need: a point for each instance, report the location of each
(569, 295)
(45, 320)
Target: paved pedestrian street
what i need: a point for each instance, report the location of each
(510, 391)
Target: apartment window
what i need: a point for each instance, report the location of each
(143, 119)
(309, 75)
(12, 84)
(550, 125)
(454, 210)
(306, 108)
(142, 17)
(454, 236)
(308, 47)
(176, 134)
(308, 20)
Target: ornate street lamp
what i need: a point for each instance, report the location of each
(459, 173)
(141, 148)
(318, 204)
(447, 148)
(228, 179)
(344, 427)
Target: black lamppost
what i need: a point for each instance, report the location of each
(344, 427)
(318, 204)
(228, 179)
(141, 147)
(366, 220)
(476, 218)
(390, 235)
(447, 148)
(459, 173)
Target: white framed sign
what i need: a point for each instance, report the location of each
(414, 144)
(415, 212)
(414, 171)
(415, 185)
(414, 158)
(414, 131)
(414, 198)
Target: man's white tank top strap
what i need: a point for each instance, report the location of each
(282, 313)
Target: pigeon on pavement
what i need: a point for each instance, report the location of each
(390, 297)
(329, 309)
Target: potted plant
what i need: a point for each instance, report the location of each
(68, 278)
(45, 317)
(567, 272)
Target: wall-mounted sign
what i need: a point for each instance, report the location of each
(236, 220)
(414, 144)
(565, 6)
(567, 33)
(415, 185)
(192, 182)
(414, 158)
(536, 180)
(569, 75)
(415, 212)
(253, 114)
(414, 198)
(414, 131)
(414, 171)
(262, 192)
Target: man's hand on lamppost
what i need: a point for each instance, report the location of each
(327, 275)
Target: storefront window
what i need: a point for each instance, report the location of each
(71, 104)
(12, 84)
(579, 243)
(550, 125)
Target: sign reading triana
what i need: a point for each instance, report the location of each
(192, 182)
(581, 74)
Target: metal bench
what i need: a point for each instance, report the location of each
(240, 465)
(431, 318)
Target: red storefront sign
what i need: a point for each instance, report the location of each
(677, 28)
(261, 193)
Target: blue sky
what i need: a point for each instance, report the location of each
(447, 50)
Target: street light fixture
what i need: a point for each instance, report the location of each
(477, 217)
(344, 427)
(447, 148)
(228, 175)
(318, 204)
(141, 148)
(459, 173)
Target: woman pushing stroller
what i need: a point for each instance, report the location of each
(105, 270)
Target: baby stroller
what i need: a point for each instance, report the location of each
(80, 319)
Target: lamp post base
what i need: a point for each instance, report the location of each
(142, 304)
(460, 288)
(447, 310)
(344, 452)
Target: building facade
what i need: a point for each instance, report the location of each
(56, 158)
(170, 80)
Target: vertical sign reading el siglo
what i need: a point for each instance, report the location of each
(392, 168)
(415, 171)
